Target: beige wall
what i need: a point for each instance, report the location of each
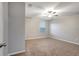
(16, 27)
(65, 28)
(32, 28)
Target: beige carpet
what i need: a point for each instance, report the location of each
(50, 47)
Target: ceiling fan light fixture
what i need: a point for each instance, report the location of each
(49, 15)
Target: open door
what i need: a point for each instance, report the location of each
(3, 28)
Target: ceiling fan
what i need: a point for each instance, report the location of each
(50, 12)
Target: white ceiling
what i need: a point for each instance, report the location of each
(65, 8)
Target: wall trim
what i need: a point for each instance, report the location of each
(16, 52)
(31, 38)
(58, 38)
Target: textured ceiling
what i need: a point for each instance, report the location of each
(66, 8)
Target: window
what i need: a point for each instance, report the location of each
(42, 26)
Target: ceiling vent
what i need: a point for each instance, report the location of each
(30, 5)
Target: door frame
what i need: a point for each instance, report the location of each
(5, 27)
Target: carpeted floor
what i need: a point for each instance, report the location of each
(50, 47)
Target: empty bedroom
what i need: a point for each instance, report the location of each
(52, 29)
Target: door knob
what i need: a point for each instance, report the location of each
(3, 44)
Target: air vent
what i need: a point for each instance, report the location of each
(30, 5)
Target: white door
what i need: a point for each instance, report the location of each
(3, 28)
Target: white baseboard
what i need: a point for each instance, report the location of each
(58, 38)
(16, 53)
(31, 38)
